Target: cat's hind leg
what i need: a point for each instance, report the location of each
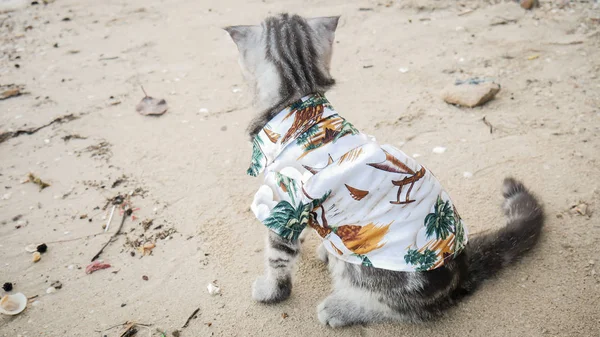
(353, 306)
(349, 304)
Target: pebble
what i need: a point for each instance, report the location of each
(403, 70)
(35, 257)
(470, 95)
(203, 110)
(467, 174)
(439, 149)
(213, 289)
(50, 290)
(528, 4)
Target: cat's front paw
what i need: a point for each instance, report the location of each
(269, 290)
(333, 312)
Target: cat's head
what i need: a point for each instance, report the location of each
(286, 57)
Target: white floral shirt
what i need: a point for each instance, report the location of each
(371, 204)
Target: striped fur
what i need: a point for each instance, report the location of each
(300, 51)
(288, 57)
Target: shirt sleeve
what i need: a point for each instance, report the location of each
(280, 204)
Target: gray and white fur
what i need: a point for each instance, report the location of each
(288, 57)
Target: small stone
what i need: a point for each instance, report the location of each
(145, 278)
(213, 289)
(7, 286)
(284, 315)
(528, 4)
(50, 290)
(439, 149)
(471, 93)
(123, 304)
(36, 257)
(42, 248)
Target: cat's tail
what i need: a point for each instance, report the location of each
(487, 254)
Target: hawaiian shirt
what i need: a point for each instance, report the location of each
(372, 204)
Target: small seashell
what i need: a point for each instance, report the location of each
(13, 304)
(36, 256)
(213, 289)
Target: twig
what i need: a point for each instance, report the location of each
(125, 215)
(193, 315)
(566, 43)
(108, 58)
(121, 324)
(488, 124)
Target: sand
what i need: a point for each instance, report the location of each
(90, 59)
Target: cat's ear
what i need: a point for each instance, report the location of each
(325, 26)
(241, 34)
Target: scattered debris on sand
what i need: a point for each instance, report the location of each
(13, 134)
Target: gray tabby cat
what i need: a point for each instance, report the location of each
(288, 57)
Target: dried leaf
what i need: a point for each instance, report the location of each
(151, 106)
(36, 180)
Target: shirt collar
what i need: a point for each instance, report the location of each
(285, 128)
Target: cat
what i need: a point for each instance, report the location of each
(288, 57)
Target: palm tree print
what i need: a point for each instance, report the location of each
(287, 185)
(424, 260)
(258, 157)
(441, 221)
(289, 221)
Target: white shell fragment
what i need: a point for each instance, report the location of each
(439, 149)
(213, 289)
(13, 304)
(467, 174)
(50, 290)
(32, 248)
